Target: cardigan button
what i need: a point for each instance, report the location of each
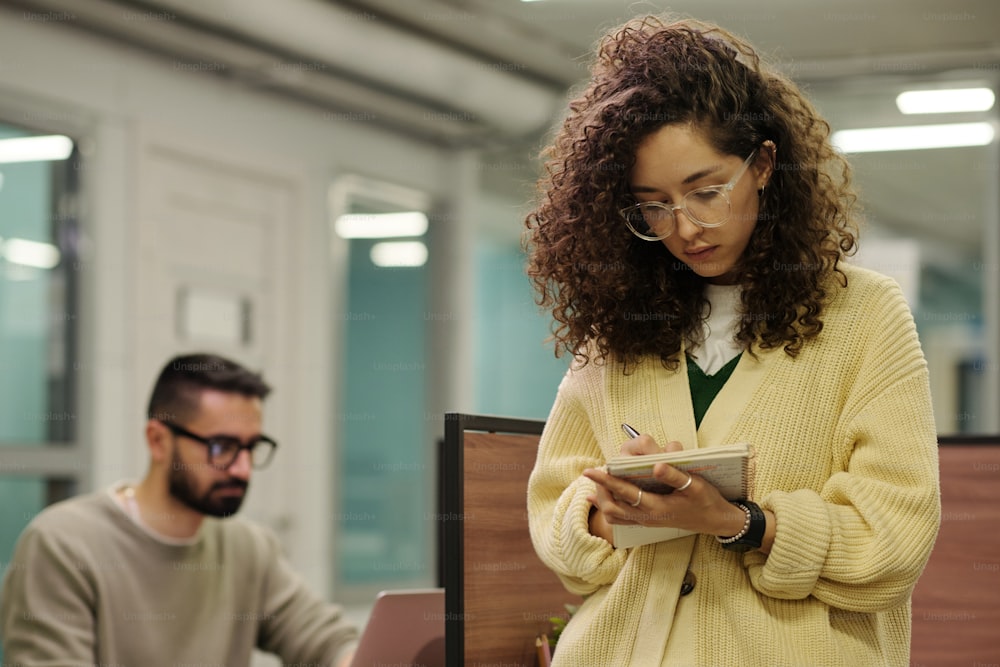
(688, 584)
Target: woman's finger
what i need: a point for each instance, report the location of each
(674, 477)
(644, 444)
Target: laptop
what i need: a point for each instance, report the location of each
(406, 627)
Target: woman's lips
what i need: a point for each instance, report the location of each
(700, 254)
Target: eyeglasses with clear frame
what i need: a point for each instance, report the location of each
(706, 207)
(223, 450)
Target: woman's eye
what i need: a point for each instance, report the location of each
(705, 195)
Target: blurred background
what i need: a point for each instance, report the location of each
(334, 192)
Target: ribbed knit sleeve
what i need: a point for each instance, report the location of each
(47, 609)
(295, 623)
(860, 542)
(558, 509)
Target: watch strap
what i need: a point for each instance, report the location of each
(752, 535)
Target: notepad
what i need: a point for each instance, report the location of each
(727, 468)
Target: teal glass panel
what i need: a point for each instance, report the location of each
(383, 525)
(37, 310)
(517, 373)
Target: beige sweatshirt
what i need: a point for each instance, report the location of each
(87, 586)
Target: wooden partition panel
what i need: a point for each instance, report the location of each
(956, 603)
(498, 594)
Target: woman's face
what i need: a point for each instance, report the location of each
(677, 159)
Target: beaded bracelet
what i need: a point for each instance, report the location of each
(740, 535)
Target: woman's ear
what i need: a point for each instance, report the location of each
(764, 164)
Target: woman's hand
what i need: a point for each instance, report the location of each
(645, 444)
(699, 507)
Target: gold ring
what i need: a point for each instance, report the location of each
(637, 500)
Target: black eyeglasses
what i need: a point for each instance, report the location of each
(223, 450)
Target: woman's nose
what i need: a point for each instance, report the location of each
(686, 227)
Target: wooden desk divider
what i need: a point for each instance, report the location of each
(498, 595)
(955, 612)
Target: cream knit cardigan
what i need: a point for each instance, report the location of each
(845, 457)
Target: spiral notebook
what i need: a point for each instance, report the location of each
(728, 468)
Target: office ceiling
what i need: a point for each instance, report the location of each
(494, 74)
(550, 39)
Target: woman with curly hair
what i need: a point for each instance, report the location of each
(690, 241)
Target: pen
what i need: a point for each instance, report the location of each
(631, 432)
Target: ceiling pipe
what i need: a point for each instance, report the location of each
(381, 53)
(214, 49)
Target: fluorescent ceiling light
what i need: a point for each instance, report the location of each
(30, 253)
(399, 253)
(956, 100)
(913, 137)
(35, 149)
(381, 225)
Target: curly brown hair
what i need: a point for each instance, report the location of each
(614, 294)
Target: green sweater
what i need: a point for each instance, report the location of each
(87, 586)
(846, 458)
(704, 388)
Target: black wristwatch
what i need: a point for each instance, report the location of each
(752, 535)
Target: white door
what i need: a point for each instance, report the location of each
(214, 246)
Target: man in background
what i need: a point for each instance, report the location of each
(159, 572)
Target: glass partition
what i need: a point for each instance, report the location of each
(386, 465)
(38, 268)
(39, 318)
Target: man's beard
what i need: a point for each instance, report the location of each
(182, 489)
